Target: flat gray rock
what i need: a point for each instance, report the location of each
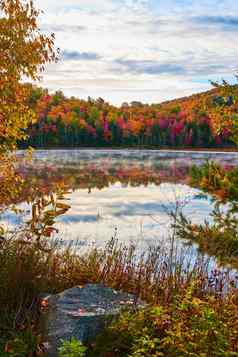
(81, 312)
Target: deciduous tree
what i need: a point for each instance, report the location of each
(24, 52)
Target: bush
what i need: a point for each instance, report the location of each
(213, 178)
(219, 237)
(156, 277)
(72, 348)
(188, 327)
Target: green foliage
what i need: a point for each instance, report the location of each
(22, 345)
(175, 110)
(219, 237)
(189, 326)
(72, 348)
(215, 179)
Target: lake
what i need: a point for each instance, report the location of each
(124, 193)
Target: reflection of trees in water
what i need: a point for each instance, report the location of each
(43, 179)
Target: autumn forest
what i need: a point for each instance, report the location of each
(202, 120)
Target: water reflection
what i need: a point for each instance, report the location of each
(138, 213)
(130, 192)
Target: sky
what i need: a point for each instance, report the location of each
(145, 50)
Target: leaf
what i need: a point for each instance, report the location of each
(63, 205)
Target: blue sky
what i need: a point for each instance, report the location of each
(147, 50)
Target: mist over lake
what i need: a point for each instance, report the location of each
(127, 194)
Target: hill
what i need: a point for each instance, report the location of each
(201, 120)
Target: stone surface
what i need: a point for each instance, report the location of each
(81, 312)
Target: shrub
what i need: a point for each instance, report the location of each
(72, 348)
(217, 180)
(25, 271)
(188, 327)
(219, 237)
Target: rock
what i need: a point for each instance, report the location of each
(81, 312)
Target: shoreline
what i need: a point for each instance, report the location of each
(131, 148)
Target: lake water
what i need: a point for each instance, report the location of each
(126, 193)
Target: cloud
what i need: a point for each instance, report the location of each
(56, 5)
(146, 50)
(187, 66)
(79, 56)
(151, 67)
(62, 28)
(224, 22)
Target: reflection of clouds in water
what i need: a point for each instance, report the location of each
(118, 201)
(9, 219)
(138, 213)
(70, 218)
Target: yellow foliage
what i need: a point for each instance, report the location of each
(24, 51)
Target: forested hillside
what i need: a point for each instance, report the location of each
(202, 120)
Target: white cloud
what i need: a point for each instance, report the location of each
(156, 39)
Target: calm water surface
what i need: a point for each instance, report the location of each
(128, 193)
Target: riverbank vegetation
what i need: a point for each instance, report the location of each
(219, 235)
(220, 181)
(188, 303)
